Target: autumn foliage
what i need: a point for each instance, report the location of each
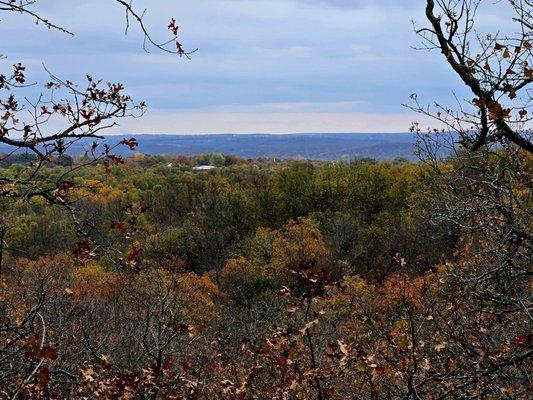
(321, 302)
(142, 278)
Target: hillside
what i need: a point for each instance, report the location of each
(316, 146)
(307, 146)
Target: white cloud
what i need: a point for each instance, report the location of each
(284, 52)
(310, 64)
(275, 122)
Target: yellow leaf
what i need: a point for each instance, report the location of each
(440, 346)
(506, 53)
(343, 347)
(402, 342)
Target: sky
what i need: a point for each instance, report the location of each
(262, 66)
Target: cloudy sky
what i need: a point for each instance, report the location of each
(270, 66)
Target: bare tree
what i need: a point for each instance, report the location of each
(78, 112)
(485, 186)
(497, 68)
(65, 114)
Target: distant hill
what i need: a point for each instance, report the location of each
(315, 146)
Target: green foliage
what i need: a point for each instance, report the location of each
(366, 211)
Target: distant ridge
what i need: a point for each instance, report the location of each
(316, 146)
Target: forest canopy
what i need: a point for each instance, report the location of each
(255, 279)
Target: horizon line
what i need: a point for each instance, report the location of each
(259, 133)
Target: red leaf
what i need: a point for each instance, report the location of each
(173, 27)
(134, 253)
(131, 143)
(522, 340)
(120, 226)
